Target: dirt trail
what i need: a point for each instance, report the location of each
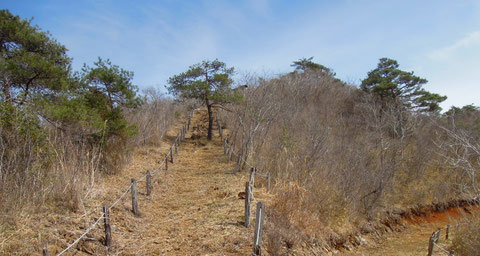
(194, 208)
(414, 240)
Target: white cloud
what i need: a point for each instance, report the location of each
(453, 71)
(472, 40)
(163, 38)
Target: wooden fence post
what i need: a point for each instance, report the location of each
(185, 130)
(257, 238)
(171, 155)
(108, 229)
(189, 120)
(248, 199)
(166, 162)
(45, 251)
(433, 239)
(447, 231)
(430, 244)
(134, 198)
(149, 183)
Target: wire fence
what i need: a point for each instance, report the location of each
(180, 137)
(229, 152)
(241, 160)
(433, 241)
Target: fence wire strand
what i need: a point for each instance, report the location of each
(122, 196)
(251, 166)
(83, 235)
(441, 248)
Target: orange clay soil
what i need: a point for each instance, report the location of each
(414, 240)
(193, 210)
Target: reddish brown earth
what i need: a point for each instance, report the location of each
(194, 210)
(414, 240)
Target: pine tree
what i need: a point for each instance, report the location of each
(208, 81)
(397, 86)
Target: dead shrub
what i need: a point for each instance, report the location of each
(465, 241)
(350, 157)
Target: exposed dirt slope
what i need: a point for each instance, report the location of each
(414, 239)
(194, 210)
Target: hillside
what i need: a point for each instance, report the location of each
(194, 208)
(373, 167)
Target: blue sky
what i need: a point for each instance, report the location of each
(437, 39)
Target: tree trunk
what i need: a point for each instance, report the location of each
(6, 90)
(210, 121)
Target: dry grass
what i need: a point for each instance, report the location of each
(338, 157)
(194, 209)
(466, 240)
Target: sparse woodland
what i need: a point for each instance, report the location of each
(60, 130)
(342, 157)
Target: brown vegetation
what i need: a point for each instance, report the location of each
(466, 240)
(343, 164)
(58, 171)
(340, 158)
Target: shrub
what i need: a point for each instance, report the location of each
(466, 240)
